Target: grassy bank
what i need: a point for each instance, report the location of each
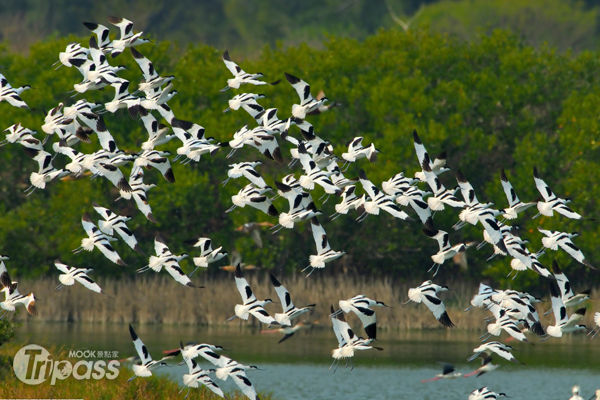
(154, 299)
(153, 388)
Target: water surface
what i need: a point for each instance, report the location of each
(299, 367)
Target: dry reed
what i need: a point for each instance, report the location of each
(158, 299)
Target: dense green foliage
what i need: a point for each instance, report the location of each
(245, 27)
(563, 24)
(7, 332)
(492, 103)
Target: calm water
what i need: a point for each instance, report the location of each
(299, 367)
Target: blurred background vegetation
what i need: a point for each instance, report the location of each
(527, 94)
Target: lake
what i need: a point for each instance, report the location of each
(299, 367)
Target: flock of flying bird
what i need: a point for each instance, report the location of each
(510, 311)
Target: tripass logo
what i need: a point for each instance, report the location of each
(33, 364)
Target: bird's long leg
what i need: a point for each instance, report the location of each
(177, 157)
(293, 162)
(310, 273)
(362, 217)
(224, 89)
(275, 197)
(77, 250)
(597, 329)
(485, 336)
(335, 362)
(327, 198)
(336, 313)
(405, 303)
(132, 378)
(59, 287)
(280, 228)
(480, 245)
(474, 356)
(3, 314)
(225, 181)
(45, 138)
(232, 318)
(351, 365)
(192, 273)
(33, 190)
(333, 216)
(231, 153)
(492, 256)
(188, 393)
(515, 275)
(143, 269)
(231, 208)
(2, 143)
(433, 266)
(437, 270)
(537, 215)
(228, 108)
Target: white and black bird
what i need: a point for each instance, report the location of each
(237, 372)
(563, 322)
(486, 366)
(251, 305)
(71, 274)
(515, 206)
(240, 76)
(325, 253)
(414, 197)
(596, 329)
(298, 211)
(361, 306)
(196, 376)
(152, 80)
(9, 94)
(99, 240)
(568, 297)
(155, 159)
(313, 174)
(138, 193)
(245, 99)
(379, 201)
(356, 151)
(556, 239)
(437, 167)
(427, 294)
(116, 223)
(127, 37)
(485, 394)
(207, 254)
(147, 365)
(247, 170)
(349, 201)
(251, 196)
(503, 322)
(447, 373)
(290, 311)
(165, 258)
(446, 251)
(12, 297)
(307, 102)
(501, 349)
(551, 201)
(348, 342)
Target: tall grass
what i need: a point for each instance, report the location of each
(158, 299)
